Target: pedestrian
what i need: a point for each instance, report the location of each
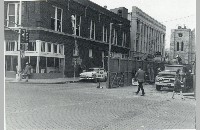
(17, 69)
(177, 84)
(27, 71)
(140, 77)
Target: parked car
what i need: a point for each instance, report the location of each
(166, 78)
(95, 74)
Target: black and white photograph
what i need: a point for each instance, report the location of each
(99, 64)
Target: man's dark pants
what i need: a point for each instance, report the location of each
(140, 87)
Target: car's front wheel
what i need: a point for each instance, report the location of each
(95, 80)
(158, 87)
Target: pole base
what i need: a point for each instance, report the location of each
(19, 77)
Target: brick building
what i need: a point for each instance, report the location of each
(61, 32)
(147, 34)
(182, 44)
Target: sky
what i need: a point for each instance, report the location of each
(171, 13)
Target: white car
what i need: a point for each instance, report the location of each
(94, 74)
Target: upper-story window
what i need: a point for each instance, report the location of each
(177, 46)
(56, 19)
(11, 46)
(76, 24)
(113, 36)
(48, 47)
(32, 46)
(13, 14)
(182, 46)
(75, 49)
(124, 39)
(61, 49)
(43, 47)
(105, 34)
(92, 29)
(180, 34)
(55, 46)
(90, 53)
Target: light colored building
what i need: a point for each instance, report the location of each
(147, 34)
(182, 44)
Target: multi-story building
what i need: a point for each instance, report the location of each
(182, 44)
(63, 33)
(147, 34)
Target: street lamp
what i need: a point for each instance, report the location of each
(109, 52)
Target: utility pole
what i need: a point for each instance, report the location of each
(109, 52)
(19, 78)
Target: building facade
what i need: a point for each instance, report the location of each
(63, 34)
(147, 34)
(182, 44)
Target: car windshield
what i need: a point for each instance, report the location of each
(166, 75)
(173, 68)
(92, 69)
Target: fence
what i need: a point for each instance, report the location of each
(123, 70)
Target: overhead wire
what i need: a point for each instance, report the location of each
(177, 19)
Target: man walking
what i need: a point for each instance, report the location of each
(140, 77)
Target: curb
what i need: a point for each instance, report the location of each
(23, 82)
(188, 94)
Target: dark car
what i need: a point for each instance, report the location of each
(166, 78)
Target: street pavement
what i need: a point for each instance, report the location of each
(82, 106)
(43, 81)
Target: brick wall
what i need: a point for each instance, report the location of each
(38, 14)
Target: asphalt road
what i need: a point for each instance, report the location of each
(81, 106)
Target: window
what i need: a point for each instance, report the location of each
(56, 19)
(42, 46)
(114, 40)
(124, 39)
(75, 50)
(105, 34)
(119, 12)
(137, 46)
(115, 37)
(177, 46)
(76, 24)
(61, 49)
(180, 34)
(48, 47)
(13, 14)
(92, 29)
(11, 46)
(55, 48)
(32, 46)
(182, 44)
(112, 35)
(90, 53)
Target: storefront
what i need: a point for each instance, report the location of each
(47, 59)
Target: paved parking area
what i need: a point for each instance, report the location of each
(81, 106)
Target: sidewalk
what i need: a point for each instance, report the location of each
(44, 81)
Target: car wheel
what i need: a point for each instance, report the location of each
(105, 78)
(95, 80)
(158, 87)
